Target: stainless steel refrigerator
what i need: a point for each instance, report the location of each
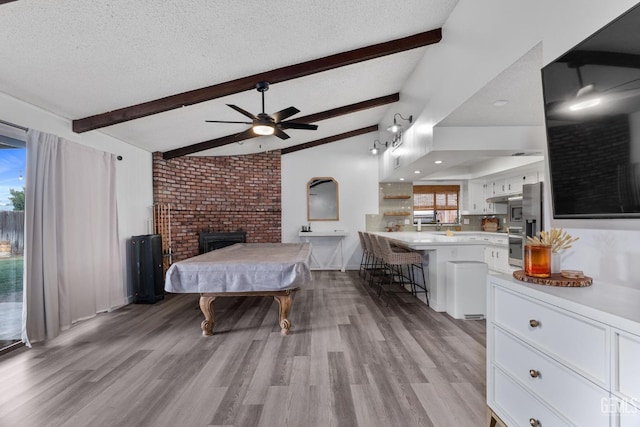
(525, 219)
(532, 209)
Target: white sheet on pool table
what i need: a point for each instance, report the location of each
(243, 267)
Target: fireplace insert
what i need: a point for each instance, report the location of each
(212, 240)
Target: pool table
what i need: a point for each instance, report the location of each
(243, 269)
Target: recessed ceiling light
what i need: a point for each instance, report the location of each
(500, 103)
(401, 179)
(416, 171)
(437, 162)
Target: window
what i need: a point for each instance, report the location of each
(436, 203)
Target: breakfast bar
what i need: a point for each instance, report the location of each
(439, 248)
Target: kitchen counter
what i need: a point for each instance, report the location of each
(437, 249)
(420, 240)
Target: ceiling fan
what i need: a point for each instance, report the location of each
(265, 124)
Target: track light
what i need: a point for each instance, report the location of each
(395, 128)
(374, 150)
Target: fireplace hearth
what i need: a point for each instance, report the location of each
(211, 240)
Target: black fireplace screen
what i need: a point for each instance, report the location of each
(211, 240)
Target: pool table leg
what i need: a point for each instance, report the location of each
(206, 305)
(284, 302)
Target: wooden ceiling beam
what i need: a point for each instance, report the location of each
(311, 118)
(350, 134)
(247, 83)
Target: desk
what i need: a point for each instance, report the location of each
(336, 250)
(244, 269)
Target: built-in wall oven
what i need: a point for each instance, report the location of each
(516, 239)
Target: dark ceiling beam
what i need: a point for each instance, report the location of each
(247, 83)
(329, 139)
(311, 118)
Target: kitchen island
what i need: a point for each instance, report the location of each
(438, 248)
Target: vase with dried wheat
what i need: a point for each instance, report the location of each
(559, 240)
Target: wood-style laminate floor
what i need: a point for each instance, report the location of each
(349, 361)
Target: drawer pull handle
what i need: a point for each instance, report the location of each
(533, 373)
(533, 422)
(534, 323)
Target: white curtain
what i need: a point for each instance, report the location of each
(72, 254)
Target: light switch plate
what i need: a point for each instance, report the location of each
(466, 221)
(406, 222)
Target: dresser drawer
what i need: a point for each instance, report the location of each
(562, 389)
(516, 406)
(628, 415)
(626, 366)
(578, 342)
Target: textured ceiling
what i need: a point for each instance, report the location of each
(78, 58)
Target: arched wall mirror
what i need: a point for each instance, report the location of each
(322, 199)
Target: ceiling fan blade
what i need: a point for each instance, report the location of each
(243, 112)
(280, 134)
(284, 114)
(293, 125)
(226, 121)
(246, 134)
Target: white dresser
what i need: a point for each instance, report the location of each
(563, 356)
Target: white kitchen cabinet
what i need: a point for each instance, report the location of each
(476, 199)
(499, 187)
(563, 356)
(492, 208)
(496, 255)
(514, 184)
(531, 178)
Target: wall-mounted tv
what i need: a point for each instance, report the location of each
(592, 117)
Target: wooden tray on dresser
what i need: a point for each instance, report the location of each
(554, 280)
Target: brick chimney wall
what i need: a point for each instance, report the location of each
(219, 194)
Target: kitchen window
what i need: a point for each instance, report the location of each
(436, 203)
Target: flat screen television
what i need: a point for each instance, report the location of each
(592, 118)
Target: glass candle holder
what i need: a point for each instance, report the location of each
(537, 260)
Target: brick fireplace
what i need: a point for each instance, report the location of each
(219, 194)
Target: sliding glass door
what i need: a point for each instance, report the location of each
(12, 173)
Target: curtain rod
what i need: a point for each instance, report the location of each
(14, 125)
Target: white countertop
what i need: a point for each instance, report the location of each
(611, 304)
(421, 239)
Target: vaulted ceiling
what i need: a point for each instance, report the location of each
(151, 72)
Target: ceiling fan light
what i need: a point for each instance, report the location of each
(263, 129)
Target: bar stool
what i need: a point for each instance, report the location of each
(377, 267)
(366, 255)
(396, 260)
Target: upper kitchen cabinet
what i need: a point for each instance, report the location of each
(478, 191)
(499, 187)
(476, 199)
(511, 184)
(514, 184)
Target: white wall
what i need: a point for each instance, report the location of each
(134, 176)
(355, 169)
(480, 40)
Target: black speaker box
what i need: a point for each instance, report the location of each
(146, 268)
